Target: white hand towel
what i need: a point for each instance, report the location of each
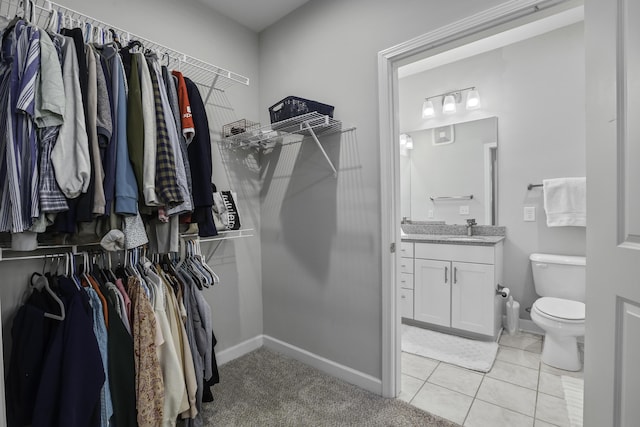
(565, 201)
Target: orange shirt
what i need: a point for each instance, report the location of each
(188, 128)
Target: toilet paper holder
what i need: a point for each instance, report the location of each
(503, 291)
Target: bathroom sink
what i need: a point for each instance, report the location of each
(466, 238)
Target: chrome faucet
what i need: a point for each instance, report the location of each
(470, 223)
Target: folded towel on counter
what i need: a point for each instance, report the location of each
(565, 201)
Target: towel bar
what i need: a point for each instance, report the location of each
(437, 198)
(530, 186)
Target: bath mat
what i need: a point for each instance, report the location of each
(463, 352)
(574, 397)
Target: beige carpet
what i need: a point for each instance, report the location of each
(264, 388)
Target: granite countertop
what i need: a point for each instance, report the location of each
(453, 239)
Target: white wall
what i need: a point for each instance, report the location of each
(195, 30)
(536, 88)
(320, 235)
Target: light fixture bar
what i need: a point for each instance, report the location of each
(451, 92)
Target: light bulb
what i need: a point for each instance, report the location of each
(473, 100)
(449, 104)
(427, 109)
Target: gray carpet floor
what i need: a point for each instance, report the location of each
(264, 388)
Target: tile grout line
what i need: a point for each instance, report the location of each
(424, 381)
(535, 406)
(475, 396)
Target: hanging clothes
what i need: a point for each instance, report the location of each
(21, 61)
(100, 331)
(150, 132)
(98, 198)
(83, 206)
(121, 370)
(166, 182)
(149, 383)
(173, 376)
(171, 81)
(71, 383)
(200, 161)
(50, 111)
(126, 188)
(135, 123)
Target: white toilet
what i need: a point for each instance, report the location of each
(560, 282)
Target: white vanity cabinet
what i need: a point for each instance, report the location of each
(455, 286)
(406, 279)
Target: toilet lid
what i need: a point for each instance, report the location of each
(561, 308)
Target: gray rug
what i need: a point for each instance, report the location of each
(264, 388)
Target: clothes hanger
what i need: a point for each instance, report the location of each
(215, 277)
(52, 21)
(42, 280)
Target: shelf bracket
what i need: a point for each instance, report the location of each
(306, 126)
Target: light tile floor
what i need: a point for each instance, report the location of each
(518, 391)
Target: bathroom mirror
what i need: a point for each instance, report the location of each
(452, 181)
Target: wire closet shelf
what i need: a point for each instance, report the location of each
(202, 73)
(308, 124)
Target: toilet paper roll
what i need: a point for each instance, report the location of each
(504, 292)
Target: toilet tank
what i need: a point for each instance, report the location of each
(559, 276)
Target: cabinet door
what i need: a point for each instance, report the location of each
(472, 297)
(406, 303)
(432, 291)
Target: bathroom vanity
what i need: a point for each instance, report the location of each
(451, 281)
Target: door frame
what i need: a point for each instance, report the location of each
(507, 15)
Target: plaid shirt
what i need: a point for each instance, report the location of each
(51, 197)
(166, 182)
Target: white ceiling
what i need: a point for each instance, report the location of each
(254, 14)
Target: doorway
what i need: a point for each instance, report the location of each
(459, 34)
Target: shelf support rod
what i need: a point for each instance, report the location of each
(315, 138)
(211, 89)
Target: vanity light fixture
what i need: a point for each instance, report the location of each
(449, 104)
(409, 142)
(428, 110)
(406, 141)
(450, 101)
(473, 99)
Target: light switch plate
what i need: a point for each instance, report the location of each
(464, 210)
(529, 213)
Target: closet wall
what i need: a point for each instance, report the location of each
(194, 29)
(320, 235)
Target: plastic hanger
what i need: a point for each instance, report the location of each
(52, 21)
(202, 264)
(42, 280)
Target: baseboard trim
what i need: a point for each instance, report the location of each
(327, 366)
(524, 325)
(239, 350)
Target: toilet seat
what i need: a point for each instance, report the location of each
(560, 309)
